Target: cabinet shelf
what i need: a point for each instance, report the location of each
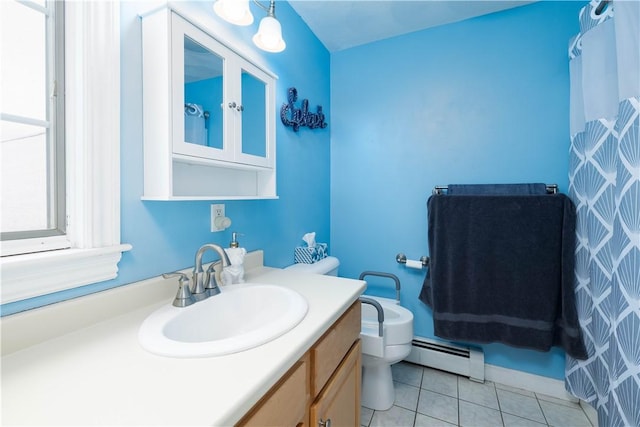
(204, 198)
(202, 161)
(204, 180)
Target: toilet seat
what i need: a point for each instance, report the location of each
(396, 319)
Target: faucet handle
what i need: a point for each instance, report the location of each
(211, 288)
(183, 297)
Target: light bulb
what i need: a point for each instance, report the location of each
(269, 35)
(234, 11)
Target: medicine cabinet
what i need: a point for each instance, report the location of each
(208, 116)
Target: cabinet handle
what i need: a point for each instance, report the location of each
(235, 106)
(324, 423)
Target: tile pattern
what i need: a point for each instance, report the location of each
(427, 397)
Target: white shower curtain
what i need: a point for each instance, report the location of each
(604, 183)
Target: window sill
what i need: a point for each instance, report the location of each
(31, 275)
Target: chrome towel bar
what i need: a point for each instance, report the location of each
(442, 189)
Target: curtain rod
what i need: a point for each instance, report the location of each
(601, 6)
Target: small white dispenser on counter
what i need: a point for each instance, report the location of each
(234, 273)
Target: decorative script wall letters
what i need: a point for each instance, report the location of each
(297, 117)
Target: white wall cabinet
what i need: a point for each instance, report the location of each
(208, 116)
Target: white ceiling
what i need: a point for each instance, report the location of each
(342, 24)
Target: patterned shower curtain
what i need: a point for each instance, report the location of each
(604, 183)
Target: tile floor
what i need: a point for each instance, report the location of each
(428, 397)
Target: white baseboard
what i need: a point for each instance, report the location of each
(523, 380)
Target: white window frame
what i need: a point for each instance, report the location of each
(92, 108)
(54, 235)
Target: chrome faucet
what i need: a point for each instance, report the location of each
(204, 283)
(183, 297)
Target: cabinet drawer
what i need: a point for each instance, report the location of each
(287, 401)
(327, 354)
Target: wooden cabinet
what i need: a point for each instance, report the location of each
(329, 389)
(208, 116)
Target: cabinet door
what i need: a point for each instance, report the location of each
(339, 402)
(201, 126)
(332, 348)
(286, 403)
(254, 128)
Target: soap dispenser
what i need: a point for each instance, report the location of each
(234, 240)
(235, 272)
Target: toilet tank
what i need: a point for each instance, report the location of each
(327, 266)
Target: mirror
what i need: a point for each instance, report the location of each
(203, 93)
(254, 115)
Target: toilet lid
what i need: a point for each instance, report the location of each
(323, 266)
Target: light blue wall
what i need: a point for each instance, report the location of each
(166, 235)
(481, 101)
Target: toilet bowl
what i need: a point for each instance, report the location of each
(381, 346)
(380, 352)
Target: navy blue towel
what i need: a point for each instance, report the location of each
(502, 270)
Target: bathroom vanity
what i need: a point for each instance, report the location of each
(80, 362)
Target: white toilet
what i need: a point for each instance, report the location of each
(379, 351)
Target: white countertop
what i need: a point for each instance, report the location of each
(100, 374)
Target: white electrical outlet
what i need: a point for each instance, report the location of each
(218, 219)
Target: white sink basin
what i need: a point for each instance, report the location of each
(240, 318)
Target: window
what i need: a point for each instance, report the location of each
(91, 157)
(33, 215)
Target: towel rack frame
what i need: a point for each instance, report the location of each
(442, 189)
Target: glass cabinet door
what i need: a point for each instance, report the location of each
(200, 124)
(223, 105)
(203, 83)
(256, 133)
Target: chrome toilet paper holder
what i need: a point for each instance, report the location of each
(421, 263)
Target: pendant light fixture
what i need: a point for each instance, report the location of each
(269, 35)
(234, 11)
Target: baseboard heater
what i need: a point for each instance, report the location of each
(467, 361)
